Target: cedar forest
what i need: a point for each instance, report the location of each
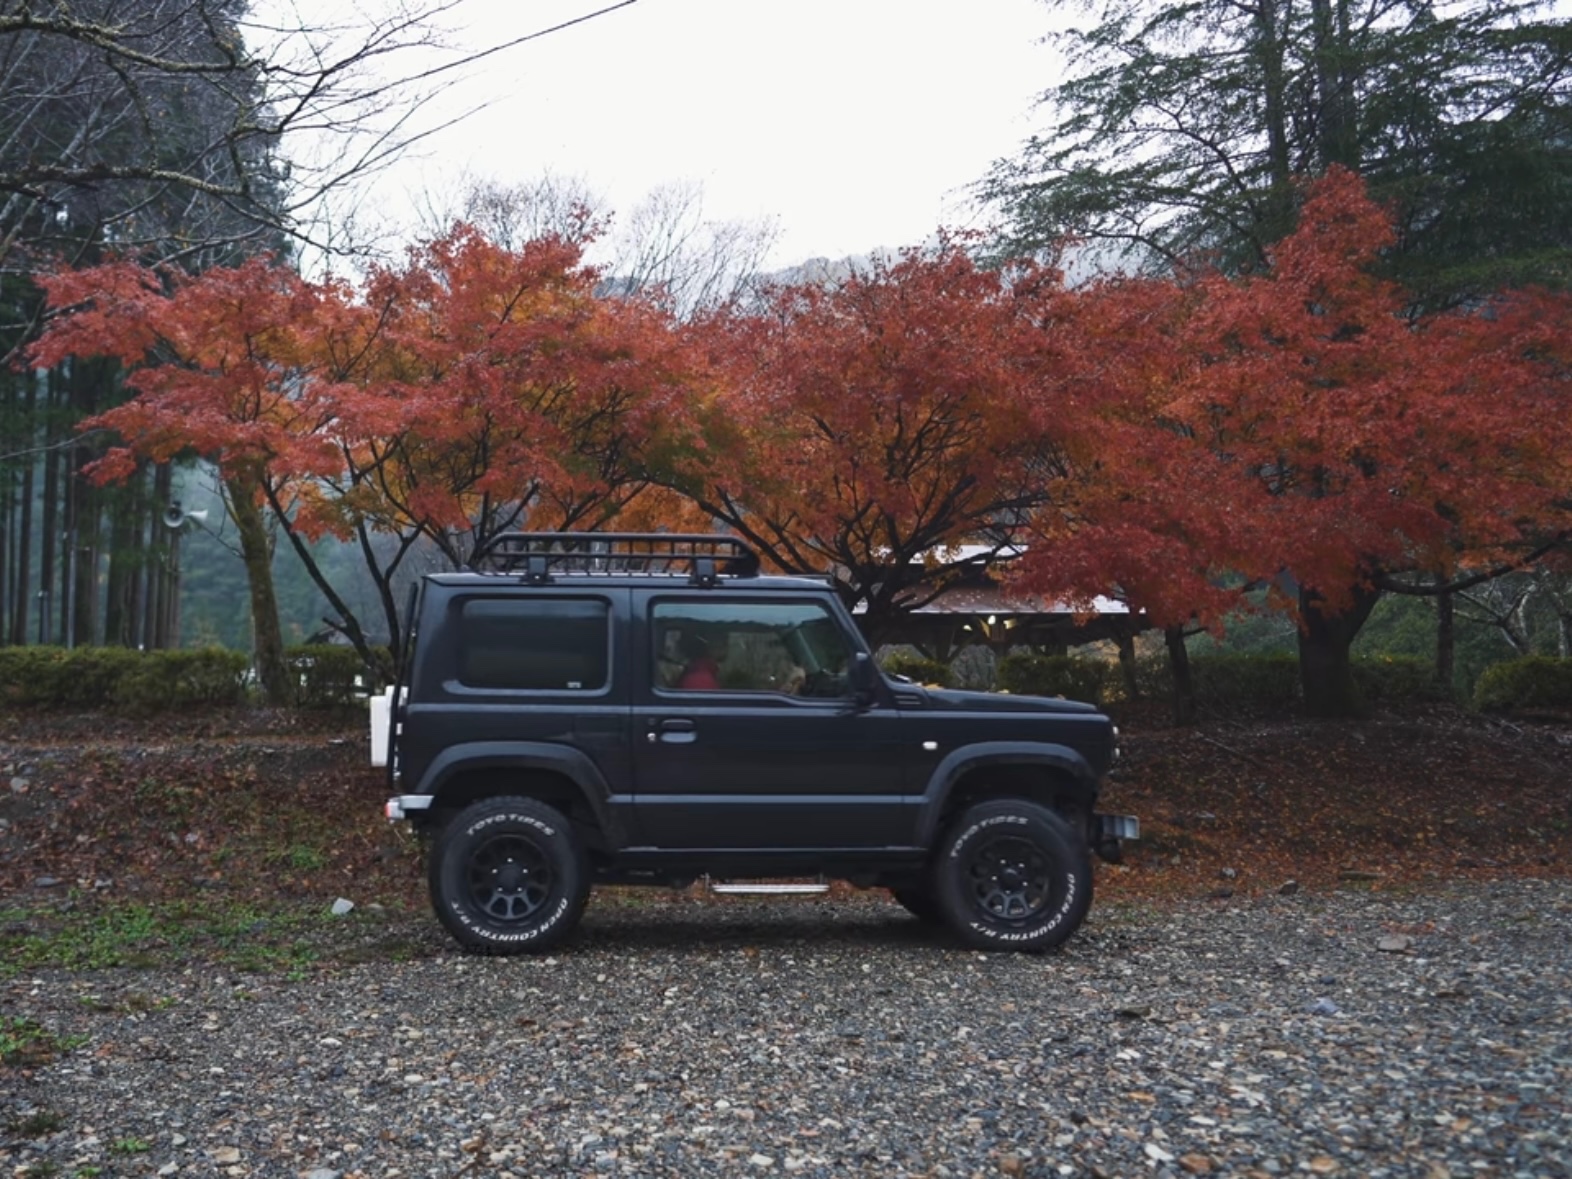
(1300, 434)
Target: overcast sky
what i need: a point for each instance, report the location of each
(855, 123)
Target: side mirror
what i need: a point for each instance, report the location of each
(864, 679)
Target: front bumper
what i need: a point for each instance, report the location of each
(1109, 833)
(1117, 827)
(400, 806)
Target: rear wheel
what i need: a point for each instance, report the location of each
(507, 876)
(1011, 875)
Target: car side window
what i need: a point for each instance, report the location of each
(796, 648)
(534, 644)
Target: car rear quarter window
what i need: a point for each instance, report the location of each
(535, 644)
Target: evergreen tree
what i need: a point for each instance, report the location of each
(1182, 128)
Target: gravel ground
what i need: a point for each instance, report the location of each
(1346, 1033)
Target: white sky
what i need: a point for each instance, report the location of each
(855, 123)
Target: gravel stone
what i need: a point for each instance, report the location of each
(813, 1038)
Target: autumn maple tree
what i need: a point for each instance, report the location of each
(873, 427)
(222, 366)
(1301, 430)
(492, 389)
(472, 390)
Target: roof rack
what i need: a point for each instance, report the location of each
(703, 557)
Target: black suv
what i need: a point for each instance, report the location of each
(648, 709)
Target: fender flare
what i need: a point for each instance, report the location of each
(1061, 760)
(569, 763)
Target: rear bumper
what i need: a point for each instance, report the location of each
(405, 806)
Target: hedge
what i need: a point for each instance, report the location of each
(1024, 674)
(332, 677)
(1246, 681)
(167, 681)
(121, 679)
(1388, 679)
(1538, 681)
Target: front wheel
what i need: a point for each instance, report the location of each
(1011, 875)
(507, 876)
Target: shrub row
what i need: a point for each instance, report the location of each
(334, 677)
(120, 679)
(915, 667)
(1536, 682)
(1024, 674)
(1258, 682)
(144, 682)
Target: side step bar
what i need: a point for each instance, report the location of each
(769, 888)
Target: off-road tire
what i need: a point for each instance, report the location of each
(507, 876)
(1012, 875)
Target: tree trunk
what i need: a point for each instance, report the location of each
(1274, 109)
(1335, 139)
(84, 557)
(266, 635)
(155, 608)
(348, 625)
(124, 554)
(49, 523)
(24, 553)
(79, 607)
(1184, 684)
(7, 551)
(1125, 641)
(1325, 670)
(1446, 640)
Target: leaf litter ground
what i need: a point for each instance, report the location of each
(225, 836)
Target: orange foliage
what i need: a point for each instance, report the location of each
(881, 422)
(1159, 439)
(1304, 422)
(471, 390)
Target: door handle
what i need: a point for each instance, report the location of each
(673, 730)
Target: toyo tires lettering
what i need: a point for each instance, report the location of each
(964, 838)
(509, 817)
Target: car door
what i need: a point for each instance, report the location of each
(745, 731)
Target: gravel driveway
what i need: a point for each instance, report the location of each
(1349, 1033)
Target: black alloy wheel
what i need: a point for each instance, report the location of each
(1010, 878)
(509, 878)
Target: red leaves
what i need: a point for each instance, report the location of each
(444, 397)
(1304, 421)
(1162, 439)
(899, 412)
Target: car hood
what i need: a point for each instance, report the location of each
(954, 699)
